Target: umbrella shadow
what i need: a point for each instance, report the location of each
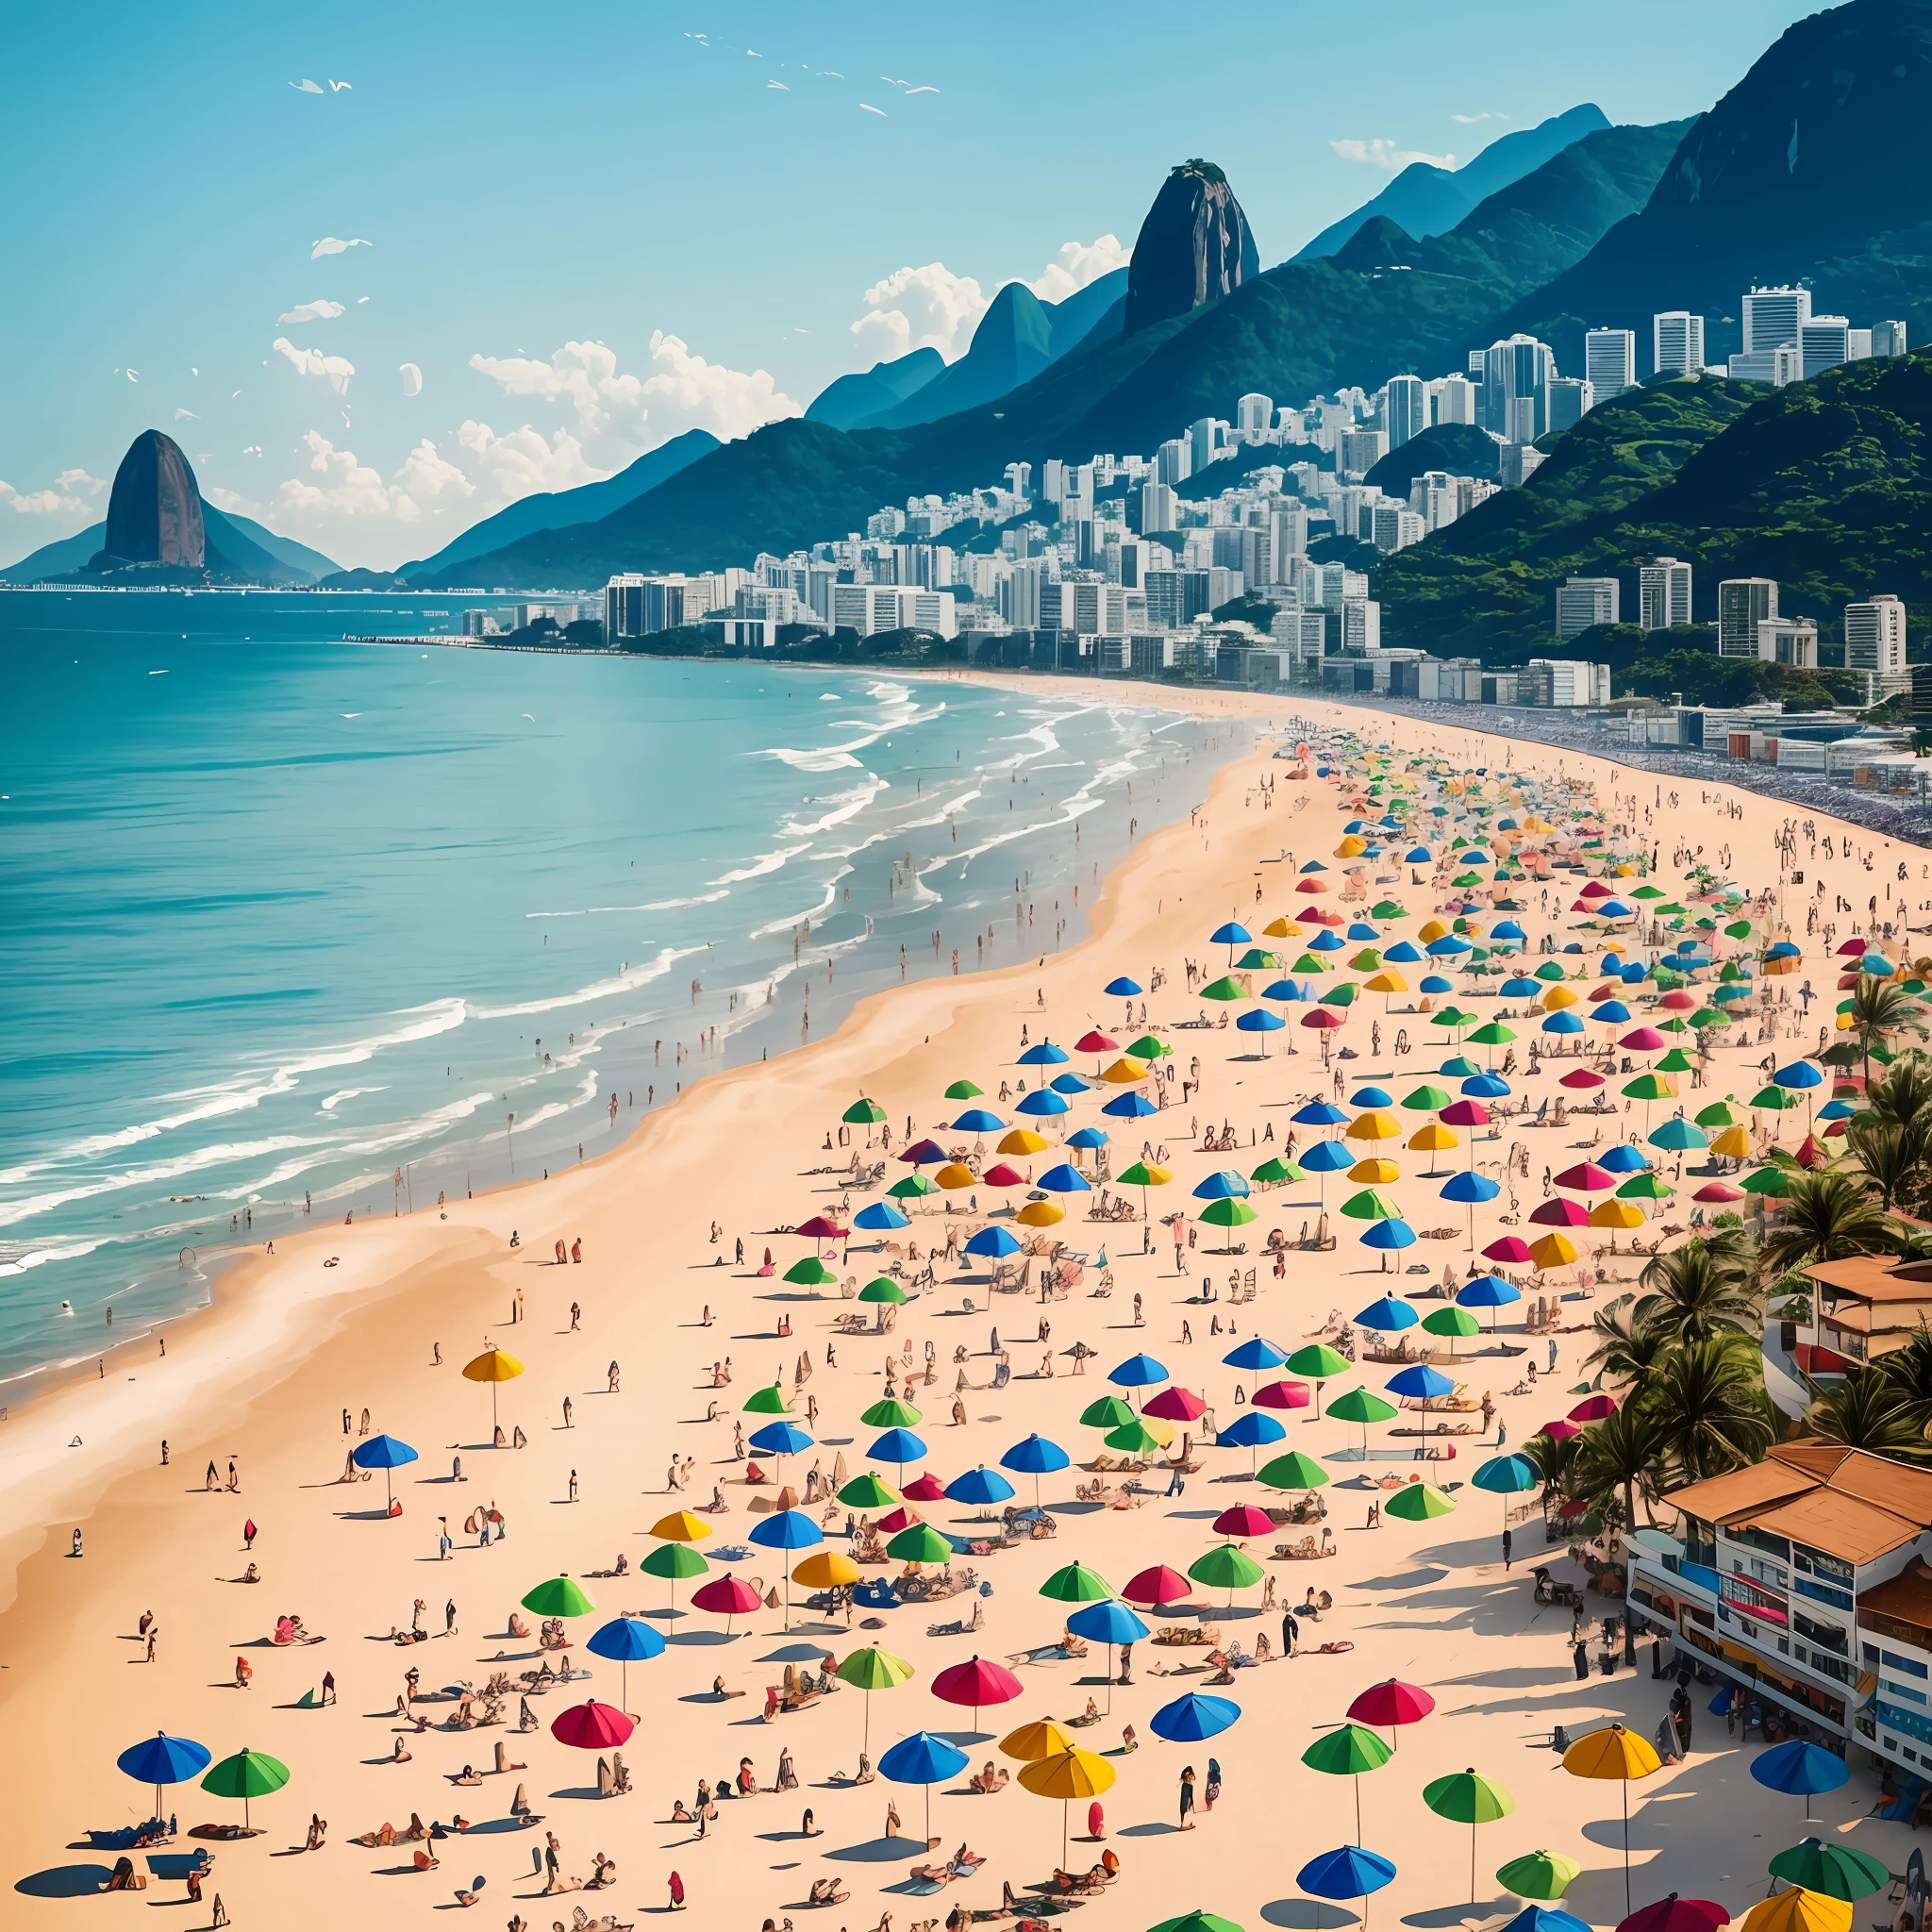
(792, 1653)
(362, 1516)
(1456, 1915)
(701, 1636)
(64, 1881)
(577, 1792)
(879, 1851)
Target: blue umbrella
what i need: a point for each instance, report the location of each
(1256, 1352)
(1088, 1138)
(981, 1487)
(1418, 855)
(1064, 1179)
(897, 1445)
(1323, 1159)
(1389, 1237)
(1222, 1186)
(975, 1120)
(1435, 983)
(1509, 929)
(1387, 1315)
(1325, 942)
(1459, 1066)
(1108, 1622)
(923, 1759)
(1420, 1382)
(1623, 1158)
(1036, 1457)
(1486, 1086)
(164, 1760)
(1123, 988)
(1045, 1055)
(1129, 1106)
(1071, 1083)
(1403, 952)
(781, 1437)
(879, 1218)
(992, 1243)
(1466, 1188)
(1318, 1113)
(1521, 986)
(1282, 989)
(1139, 1371)
(1362, 931)
(1505, 1477)
(384, 1453)
(1544, 1919)
(1042, 1100)
(1565, 1022)
(1372, 1096)
(1448, 947)
(1612, 1012)
(1191, 1718)
(1254, 1428)
(1348, 1872)
(1488, 1291)
(1260, 1020)
(1800, 1766)
(787, 1529)
(1231, 934)
(625, 1640)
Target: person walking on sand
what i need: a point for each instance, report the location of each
(1187, 1798)
(677, 1903)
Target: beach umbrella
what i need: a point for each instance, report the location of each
(1546, 1919)
(1387, 1314)
(1156, 1585)
(963, 1089)
(1066, 1776)
(1224, 1567)
(866, 1492)
(769, 1401)
(1108, 1622)
(1348, 1872)
(897, 1445)
(880, 1218)
(1347, 1751)
(624, 1639)
(559, 1596)
(873, 1669)
(1175, 1405)
(1196, 1920)
(1361, 1406)
(493, 1366)
(1454, 1324)
(1075, 1584)
(1040, 1739)
(1294, 1471)
(810, 1272)
(1390, 1705)
(1138, 1438)
(1836, 1871)
(1389, 1237)
(864, 1113)
(1138, 1372)
(1256, 1353)
(1505, 1477)
(1251, 1430)
(385, 1453)
(919, 1542)
(786, 1529)
(1619, 1754)
(1488, 1291)
(728, 1596)
(1319, 1363)
(245, 1775)
(1044, 1054)
(923, 1759)
(981, 1487)
(1539, 1875)
(1798, 1911)
(1241, 1521)
(163, 1760)
(1466, 1797)
(1675, 1913)
(1418, 1503)
(1801, 1768)
(833, 1569)
(1192, 1718)
(1419, 1383)
(992, 1243)
(1036, 1457)
(670, 1561)
(1282, 1395)
(978, 1681)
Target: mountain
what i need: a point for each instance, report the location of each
(1460, 448)
(1193, 248)
(61, 559)
(559, 509)
(153, 511)
(1425, 200)
(854, 399)
(1808, 169)
(285, 551)
(1825, 484)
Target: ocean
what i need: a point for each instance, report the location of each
(296, 927)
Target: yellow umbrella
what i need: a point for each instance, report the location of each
(1351, 847)
(1033, 1742)
(1615, 1753)
(1554, 1250)
(1066, 1776)
(493, 1366)
(1023, 1141)
(1040, 1214)
(1434, 930)
(1433, 1139)
(956, 1174)
(1734, 1142)
(1387, 980)
(1374, 1171)
(1798, 1911)
(1373, 1126)
(1558, 998)
(1283, 928)
(827, 1570)
(1124, 1071)
(1615, 1213)
(681, 1526)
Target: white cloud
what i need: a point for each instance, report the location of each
(338, 369)
(1378, 153)
(1076, 264)
(919, 309)
(333, 244)
(311, 311)
(68, 496)
(1472, 120)
(412, 379)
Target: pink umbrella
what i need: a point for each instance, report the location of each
(923, 1489)
(1719, 1191)
(1002, 1176)
(1581, 1080)
(1594, 1408)
(1241, 1521)
(821, 1228)
(1279, 1395)
(1465, 1113)
(892, 1522)
(1391, 1704)
(592, 1726)
(1644, 1040)
(726, 1597)
(1158, 1586)
(1559, 1431)
(1560, 1214)
(1175, 1405)
(975, 1682)
(1586, 1177)
(1677, 1001)
(1510, 1249)
(1596, 890)
(1853, 948)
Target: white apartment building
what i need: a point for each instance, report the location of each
(1158, 508)
(1516, 388)
(1663, 594)
(1743, 605)
(1564, 684)
(1610, 361)
(1254, 416)
(1775, 316)
(1677, 342)
(1582, 602)
(1792, 640)
(1395, 527)
(1876, 635)
(1454, 399)
(1173, 461)
(1404, 409)
(638, 607)
(1571, 400)
(1361, 625)
(1824, 342)
(1359, 451)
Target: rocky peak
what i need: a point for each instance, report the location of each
(154, 514)
(1193, 248)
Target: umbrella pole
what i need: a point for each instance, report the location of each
(1624, 1788)
(1110, 1677)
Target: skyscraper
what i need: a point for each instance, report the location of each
(1582, 602)
(1405, 409)
(1663, 594)
(1824, 342)
(1517, 369)
(1677, 342)
(1571, 400)
(1876, 635)
(1743, 605)
(1456, 398)
(1254, 416)
(1173, 461)
(1775, 316)
(1610, 361)
(1157, 508)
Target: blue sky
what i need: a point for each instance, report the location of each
(699, 197)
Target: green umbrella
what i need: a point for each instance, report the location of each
(1148, 1048)
(920, 1543)
(1836, 1870)
(1418, 1503)
(1223, 990)
(1308, 962)
(1644, 1187)
(1539, 1875)
(1109, 1413)
(1780, 1098)
(1675, 1061)
(1549, 970)
(1427, 1099)
(1075, 1584)
(864, 1113)
(1468, 1798)
(1452, 1322)
(247, 1775)
(890, 1413)
(559, 1596)
(1319, 1363)
(810, 1272)
(867, 1493)
(964, 1090)
(1370, 1204)
(1344, 995)
(669, 1561)
(1275, 1172)
(882, 1289)
(1229, 1211)
(1767, 1180)
(873, 1669)
(1225, 1567)
(912, 1187)
(1133, 1438)
(1295, 1471)
(1196, 1920)
(1361, 1406)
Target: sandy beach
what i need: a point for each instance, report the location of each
(343, 1320)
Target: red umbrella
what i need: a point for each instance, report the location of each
(1581, 1080)
(923, 1489)
(1677, 1001)
(1158, 1586)
(592, 1726)
(1465, 1113)
(896, 1520)
(1596, 890)
(975, 1682)
(1605, 991)
(1321, 1017)
(1646, 1040)
(1586, 1177)
(1001, 1176)
(1560, 1214)
(1390, 1704)
(1175, 1405)
(821, 1228)
(1096, 1041)
(1674, 1914)
(1242, 1520)
(1811, 1153)
(726, 1597)
(1510, 1249)
(1276, 1395)
(1594, 1408)
(1718, 1191)
(1853, 948)
(1559, 1431)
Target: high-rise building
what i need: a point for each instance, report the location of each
(1455, 399)
(1053, 479)
(1824, 342)
(1743, 605)
(1677, 342)
(1394, 526)
(1610, 361)
(1572, 398)
(1360, 450)
(1876, 635)
(1203, 439)
(1361, 625)
(1792, 640)
(1775, 316)
(1517, 369)
(1172, 460)
(1663, 594)
(1888, 339)
(1254, 416)
(1405, 409)
(1019, 477)
(1157, 507)
(1582, 602)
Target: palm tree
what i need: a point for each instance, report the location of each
(1708, 1406)
(1870, 1410)
(1614, 1459)
(1701, 1290)
(1551, 1460)
(1625, 1351)
(1892, 1156)
(1827, 1217)
(1880, 1009)
(1906, 1092)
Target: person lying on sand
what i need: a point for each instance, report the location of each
(990, 1780)
(827, 1892)
(470, 1894)
(468, 1775)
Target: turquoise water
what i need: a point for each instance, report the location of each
(287, 917)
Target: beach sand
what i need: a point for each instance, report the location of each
(349, 1317)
